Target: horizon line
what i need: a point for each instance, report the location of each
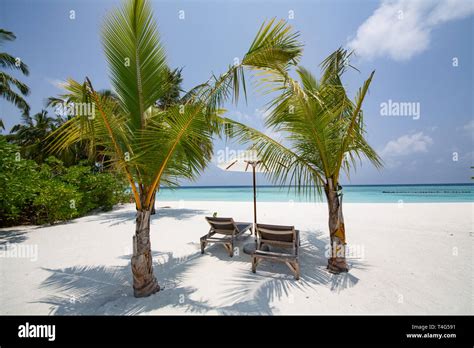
(355, 185)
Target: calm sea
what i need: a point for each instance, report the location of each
(353, 193)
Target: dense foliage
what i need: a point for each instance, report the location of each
(50, 192)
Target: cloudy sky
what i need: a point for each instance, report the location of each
(419, 112)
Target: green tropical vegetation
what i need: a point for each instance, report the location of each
(30, 134)
(32, 193)
(36, 188)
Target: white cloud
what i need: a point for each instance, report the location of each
(407, 144)
(401, 29)
(469, 127)
(278, 136)
(256, 118)
(239, 116)
(468, 157)
(59, 84)
(262, 114)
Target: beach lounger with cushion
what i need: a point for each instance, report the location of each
(284, 237)
(227, 230)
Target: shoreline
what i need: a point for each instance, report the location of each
(352, 194)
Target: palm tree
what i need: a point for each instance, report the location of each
(30, 134)
(322, 133)
(7, 82)
(156, 146)
(172, 96)
(75, 94)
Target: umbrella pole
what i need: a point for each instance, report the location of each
(254, 202)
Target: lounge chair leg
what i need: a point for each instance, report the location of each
(229, 249)
(203, 245)
(297, 271)
(254, 264)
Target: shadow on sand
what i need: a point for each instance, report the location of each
(121, 216)
(12, 236)
(253, 293)
(108, 290)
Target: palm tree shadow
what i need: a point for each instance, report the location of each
(100, 290)
(12, 236)
(121, 216)
(253, 293)
(178, 213)
(218, 251)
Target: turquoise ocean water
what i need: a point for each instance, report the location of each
(353, 193)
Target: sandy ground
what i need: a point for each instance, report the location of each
(406, 259)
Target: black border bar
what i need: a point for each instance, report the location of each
(209, 330)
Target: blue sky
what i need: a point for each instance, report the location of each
(421, 51)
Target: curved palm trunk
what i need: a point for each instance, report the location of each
(144, 282)
(153, 209)
(337, 261)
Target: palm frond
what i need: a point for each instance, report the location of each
(284, 165)
(353, 138)
(136, 58)
(334, 66)
(6, 80)
(275, 48)
(178, 144)
(8, 61)
(6, 35)
(11, 95)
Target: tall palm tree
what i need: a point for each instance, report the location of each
(9, 83)
(156, 146)
(322, 134)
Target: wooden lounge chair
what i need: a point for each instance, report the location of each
(228, 229)
(278, 236)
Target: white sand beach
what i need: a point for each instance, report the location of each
(410, 259)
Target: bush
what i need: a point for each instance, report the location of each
(100, 190)
(56, 201)
(104, 190)
(18, 183)
(50, 192)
